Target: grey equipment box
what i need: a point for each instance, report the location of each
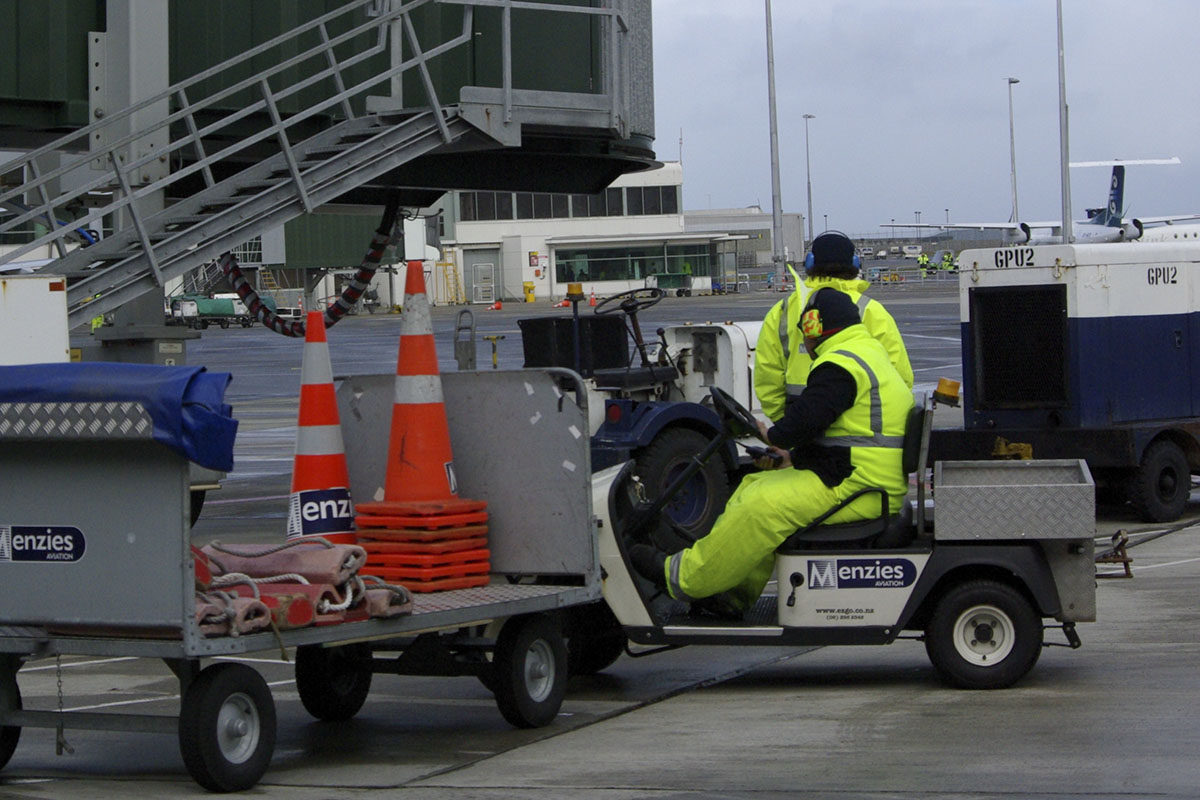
(1014, 500)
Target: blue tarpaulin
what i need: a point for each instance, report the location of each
(186, 404)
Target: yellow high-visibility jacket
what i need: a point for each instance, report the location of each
(781, 364)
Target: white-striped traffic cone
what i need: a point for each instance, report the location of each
(320, 503)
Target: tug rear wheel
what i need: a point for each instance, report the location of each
(983, 635)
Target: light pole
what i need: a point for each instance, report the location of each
(917, 228)
(808, 175)
(1012, 149)
(776, 201)
(826, 221)
(1064, 137)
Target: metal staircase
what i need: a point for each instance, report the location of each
(201, 279)
(237, 173)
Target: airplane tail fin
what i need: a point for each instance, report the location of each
(1113, 213)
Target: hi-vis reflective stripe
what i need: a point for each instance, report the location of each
(863, 302)
(319, 440)
(673, 586)
(417, 389)
(795, 389)
(783, 328)
(316, 367)
(877, 439)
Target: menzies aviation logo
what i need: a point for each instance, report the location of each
(41, 543)
(861, 573)
(316, 512)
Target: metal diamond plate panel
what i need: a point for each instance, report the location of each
(1006, 500)
(112, 420)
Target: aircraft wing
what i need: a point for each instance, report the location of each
(1167, 220)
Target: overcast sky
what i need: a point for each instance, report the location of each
(911, 105)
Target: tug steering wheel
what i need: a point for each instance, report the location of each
(632, 301)
(737, 418)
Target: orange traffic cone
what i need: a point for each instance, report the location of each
(420, 476)
(592, 299)
(497, 306)
(320, 502)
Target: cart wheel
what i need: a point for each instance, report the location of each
(1160, 486)
(530, 670)
(984, 635)
(224, 323)
(227, 727)
(10, 699)
(595, 640)
(333, 681)
(196, 498)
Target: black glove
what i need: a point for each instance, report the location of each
(649, 562)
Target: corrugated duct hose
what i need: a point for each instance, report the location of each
(335, 310)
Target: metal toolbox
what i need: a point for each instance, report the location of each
(1014, 500)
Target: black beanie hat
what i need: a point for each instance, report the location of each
(827, 312)
(832, 247)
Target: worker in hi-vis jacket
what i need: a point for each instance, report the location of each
(780, 364)
(844, 433)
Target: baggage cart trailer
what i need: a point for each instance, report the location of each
(105, 568)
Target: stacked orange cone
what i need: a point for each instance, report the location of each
(320, 503)
(422, 534)
(592, 299)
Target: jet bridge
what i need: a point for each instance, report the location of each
(346, 107)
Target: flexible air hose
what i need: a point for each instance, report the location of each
(335, 310)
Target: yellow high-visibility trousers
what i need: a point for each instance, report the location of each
(738, 554)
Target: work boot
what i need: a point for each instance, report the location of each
(717, 606)
(649, 562)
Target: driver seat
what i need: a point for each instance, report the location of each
(884, 531)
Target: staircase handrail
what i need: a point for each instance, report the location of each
(118, 173)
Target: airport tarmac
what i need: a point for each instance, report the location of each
(1116, 718)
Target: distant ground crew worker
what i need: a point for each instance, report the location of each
(780, 363)
(947, 261)
(923, 264)
(845, 433)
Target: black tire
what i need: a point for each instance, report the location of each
(246, 323)
(202, 324)
(224, 323)
(530, 670)
(333, 682)
(196, 504)
(227, 727)
(1012, 625)
(10, 697)
(1160, 486)
(595, 641)
(701, 501)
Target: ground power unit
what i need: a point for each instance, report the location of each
(1085, 351)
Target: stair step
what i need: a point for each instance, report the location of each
(190, 220)
(324, 152)
(257, 186)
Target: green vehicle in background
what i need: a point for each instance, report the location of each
(199, 311)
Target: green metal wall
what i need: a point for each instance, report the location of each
(328, 240)
(44, 61)
(44, 50)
